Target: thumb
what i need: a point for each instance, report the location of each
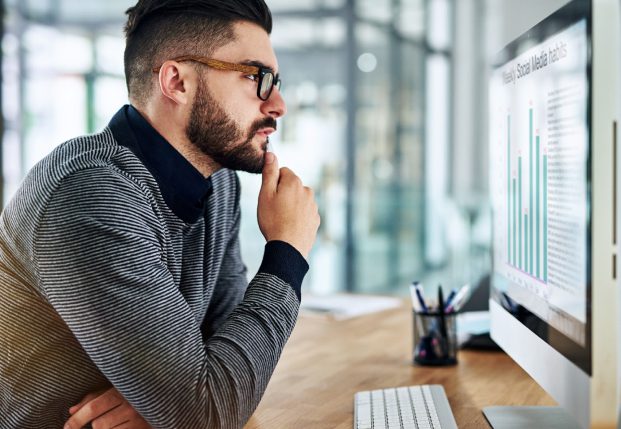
(271, 173)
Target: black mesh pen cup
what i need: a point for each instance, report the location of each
(435, 338)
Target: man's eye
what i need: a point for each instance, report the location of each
(252, 77)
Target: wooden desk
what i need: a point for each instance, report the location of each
(325, 362)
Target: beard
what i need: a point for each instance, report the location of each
(216, 134)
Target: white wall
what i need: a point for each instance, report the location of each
(508, 19)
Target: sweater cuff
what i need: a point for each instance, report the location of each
(285, 262)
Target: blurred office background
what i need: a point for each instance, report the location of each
(387, 106)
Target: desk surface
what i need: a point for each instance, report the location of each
(325, 362)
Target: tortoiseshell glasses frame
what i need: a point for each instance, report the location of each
(267, 80)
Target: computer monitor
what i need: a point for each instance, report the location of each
(554, 301)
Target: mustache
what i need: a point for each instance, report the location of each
(268, 122)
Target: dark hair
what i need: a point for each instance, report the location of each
(159, 30)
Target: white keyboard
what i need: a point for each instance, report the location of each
(413, 407)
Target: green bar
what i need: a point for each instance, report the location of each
(520, 209)
(509, 188)
(526, 241)
(538, 212)
(515, 216)
(545, 218)
(532, 205)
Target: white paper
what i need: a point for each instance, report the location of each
(343, 306)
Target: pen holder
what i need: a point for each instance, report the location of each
(435, 338)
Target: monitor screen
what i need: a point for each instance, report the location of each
(540, 181)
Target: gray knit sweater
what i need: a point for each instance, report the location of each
(102, 282)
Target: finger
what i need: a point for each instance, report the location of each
(122, 415)
(105, 402)
(116, 417)
(270, 172)
(84, 400)
(112, 418)
(133, 425)
(289, 178)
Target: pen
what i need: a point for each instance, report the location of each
(420, 297)
(449, 299)
(443, 334)
(460, 298)
(415, 304)
(441, 312)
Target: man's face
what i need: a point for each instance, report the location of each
(228, 122)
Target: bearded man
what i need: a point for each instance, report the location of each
(124, 300)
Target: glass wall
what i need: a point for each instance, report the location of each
(388, 159)
(63, 77)
(357, 85)
(354, 82)
(310, 42)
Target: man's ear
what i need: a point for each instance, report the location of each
(175, 82)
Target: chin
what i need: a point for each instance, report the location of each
(262, 140)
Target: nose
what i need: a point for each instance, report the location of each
(275, 105)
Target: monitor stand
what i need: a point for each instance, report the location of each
(529, 417)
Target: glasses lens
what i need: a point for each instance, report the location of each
(266, 85)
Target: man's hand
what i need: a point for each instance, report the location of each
(106, 409)
(287, 210)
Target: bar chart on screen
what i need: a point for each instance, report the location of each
(527, 206)
(540, 186)
(543, 140)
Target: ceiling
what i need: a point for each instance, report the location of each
(297, 23)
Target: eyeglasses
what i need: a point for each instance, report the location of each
(266, 78)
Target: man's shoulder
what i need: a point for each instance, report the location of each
(96, 164)
(85, 153)
(80, 153)
(74, 177)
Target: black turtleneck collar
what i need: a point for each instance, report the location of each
(183, 187)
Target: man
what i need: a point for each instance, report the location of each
(124, 300)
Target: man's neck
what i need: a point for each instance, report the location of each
(169, 128)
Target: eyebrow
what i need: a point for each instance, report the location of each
(256, 63)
